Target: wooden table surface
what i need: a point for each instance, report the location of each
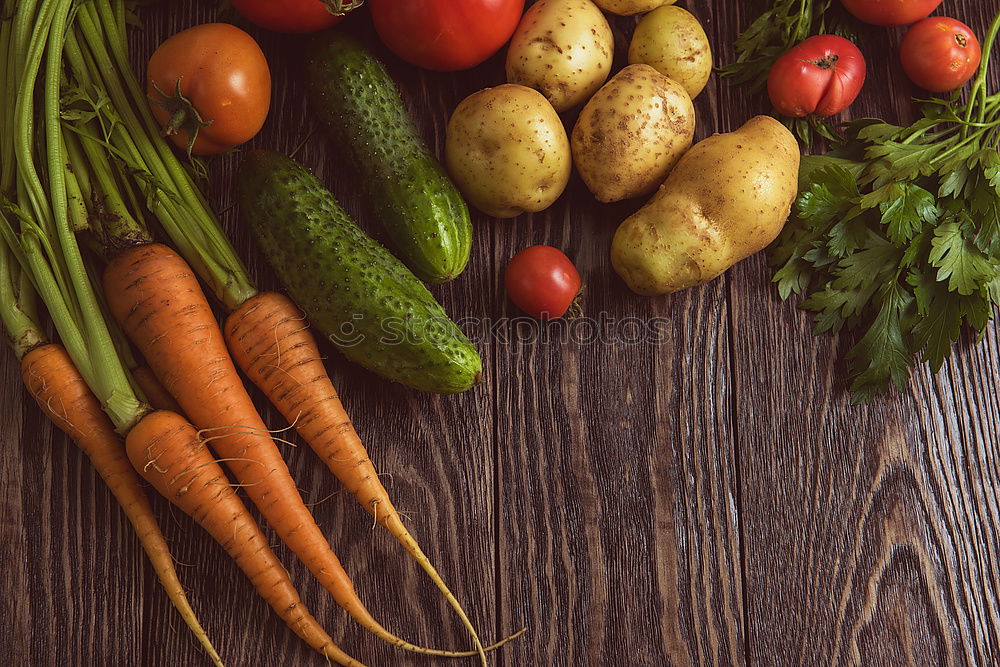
(707, 497)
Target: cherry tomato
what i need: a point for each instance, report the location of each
(940, 54)
(891, 12)
(822, 75)
(299, 16)
(209, 87)
(445, 35)
(542, 282)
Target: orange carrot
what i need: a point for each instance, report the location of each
(61, 392)
(167, 451)
(156, 298)
(156, 394)
(271, 341)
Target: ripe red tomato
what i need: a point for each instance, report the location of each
(940, 54)
(299, 16)
(891, 12)
(822, 75)
(210, 87)
(542, 282)
(445, 35)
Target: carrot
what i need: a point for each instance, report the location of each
(168, 452)
(154, 295)
(271, 342)
(61, 392)
(40, 234)
(96, 55)
(155, 392)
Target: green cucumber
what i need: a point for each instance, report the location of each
(407, 190)
(353, 290)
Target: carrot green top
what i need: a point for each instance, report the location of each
(90, 156)
(35, 216)
(98, 65)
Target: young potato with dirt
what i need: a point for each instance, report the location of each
(631, 133)
(671, 40)
(563, 49)
(507, 151)
(727, 198)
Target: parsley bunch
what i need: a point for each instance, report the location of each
(896, 233)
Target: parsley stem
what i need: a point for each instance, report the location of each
(978, 91)
(954, 148)
(803, 12)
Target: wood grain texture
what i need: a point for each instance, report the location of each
(703, 496)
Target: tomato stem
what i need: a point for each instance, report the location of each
(184, 117)
(575, 309)
(341, 7)
(826, 62)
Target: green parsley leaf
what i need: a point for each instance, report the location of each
(940, 323)
(882, 354)
(908, 212)
(792, 277)
(958, 260)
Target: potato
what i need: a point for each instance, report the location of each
(727, 198)
(671, 40)
(630, 7)
(507, 151)
(562, 48)
(631, 133)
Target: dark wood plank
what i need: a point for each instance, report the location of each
(870, 531)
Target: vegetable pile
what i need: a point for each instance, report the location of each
(894, 233)
(897, 234)
(87, 166)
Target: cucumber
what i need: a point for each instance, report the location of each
(353, 290)
(424, 216)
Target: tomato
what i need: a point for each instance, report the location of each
(822, 75)
(940, 54)
(542, 282)
(209, 87)
(445, 35)
(891, 12)
(298, 16)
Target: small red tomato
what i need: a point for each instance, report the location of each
(296, 16)
(542, 282)
(823, 75)
(210, 87)
(940, 54)
(891, 12)
(445, 35)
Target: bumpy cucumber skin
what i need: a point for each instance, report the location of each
(353, 290)
(424, 216)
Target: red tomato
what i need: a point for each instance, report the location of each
(298, 16)
(822, 75)
(445, 35)
(891, 12)
(940, 54)
(210, 87)
(542, 282)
